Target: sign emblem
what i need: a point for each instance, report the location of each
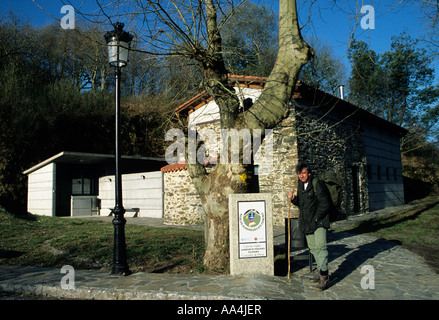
(251, 219)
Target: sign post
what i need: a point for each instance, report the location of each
(251, 234)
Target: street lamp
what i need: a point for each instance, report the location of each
(118, 44)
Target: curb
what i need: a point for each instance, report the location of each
(111, 294)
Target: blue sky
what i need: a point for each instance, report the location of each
(336, 25)
(333, 25)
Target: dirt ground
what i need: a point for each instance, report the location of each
(430, 253)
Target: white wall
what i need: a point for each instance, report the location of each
(139, 190)
(210, 111)
(41, 191)
(207, 113)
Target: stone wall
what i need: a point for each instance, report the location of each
(326, 143)
(323, 142)
(182, 205)
(282, 178)
(277, 174)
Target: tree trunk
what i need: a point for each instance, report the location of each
(214, 190)
(272, 106)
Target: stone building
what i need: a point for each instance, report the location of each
(327, 132)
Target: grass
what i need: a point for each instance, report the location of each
(85, 244)
(415, 229)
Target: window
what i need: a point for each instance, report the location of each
(84, 186)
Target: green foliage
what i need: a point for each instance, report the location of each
(365, 77)
(324, 70)
(250, 41)
(421, 164)
(250, 44)
(397, 85)
(409, 80)
(56, 95)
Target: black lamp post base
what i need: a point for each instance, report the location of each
(120, 271)
(120, 264)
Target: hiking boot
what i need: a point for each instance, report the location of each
(323, 282)
(315, 276)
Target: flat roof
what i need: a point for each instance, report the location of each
(69, 157)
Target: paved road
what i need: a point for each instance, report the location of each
(398, 274)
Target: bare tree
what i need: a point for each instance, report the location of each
(250, 40)
(271, 107)
(191, 29)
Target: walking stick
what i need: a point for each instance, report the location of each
(289, 238)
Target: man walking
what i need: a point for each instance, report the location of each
(314, 206)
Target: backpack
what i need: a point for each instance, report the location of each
(334, 184)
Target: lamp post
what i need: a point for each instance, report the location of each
(118, 44)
